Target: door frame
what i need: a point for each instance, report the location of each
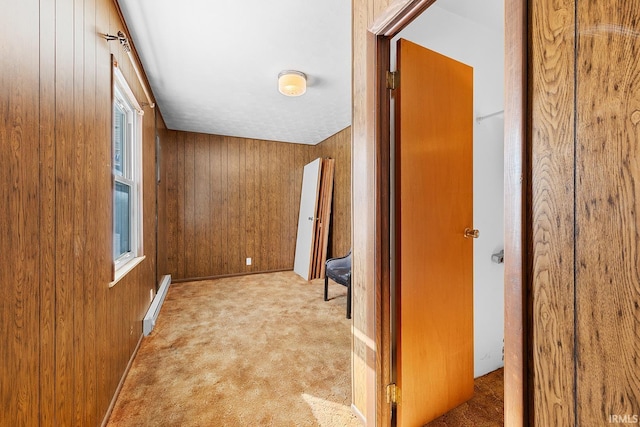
(389, 23)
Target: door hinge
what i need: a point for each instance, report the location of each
(393, 394)
(393, 80)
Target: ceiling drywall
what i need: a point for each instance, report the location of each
(213, 65)
(489, 13)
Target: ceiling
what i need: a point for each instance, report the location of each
(213, 65)
(489, 13)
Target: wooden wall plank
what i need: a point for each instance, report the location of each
(242, 205)
(607, 206)
(111, 299)
(202, 224)
(90, 270)
(234, 211)
(20, 287)
(251, 204)
(179, 195)
(263, 194)
(223, 201)
(279, 235)
(78, 204)
(552, 162)
(269, 194)
(102, 188)
(190, 227)
(290, 224)
(293, 212)
(168, 205)
(218, 236)
(65, 195)
(149, 217)
(47, 211)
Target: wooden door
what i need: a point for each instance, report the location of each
(434, 205)
(306, 219)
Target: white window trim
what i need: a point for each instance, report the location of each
(126, 268)
(123, 265)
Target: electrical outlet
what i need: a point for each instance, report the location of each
(248, 261)
(150, 295)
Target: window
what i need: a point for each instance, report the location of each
(127, 177)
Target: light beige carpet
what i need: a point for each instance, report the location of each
(259, 350)
(485, 409)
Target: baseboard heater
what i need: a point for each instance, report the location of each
(150, 318)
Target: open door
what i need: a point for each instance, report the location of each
(307, 218)
(434, 235)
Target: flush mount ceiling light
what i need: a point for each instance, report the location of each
(292, 83)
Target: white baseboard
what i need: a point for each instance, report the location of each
(152, 314)
(358, 414)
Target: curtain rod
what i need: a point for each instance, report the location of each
(481, 118)
(127, 48)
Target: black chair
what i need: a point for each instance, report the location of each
(339, 270)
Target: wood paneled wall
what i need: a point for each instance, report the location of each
(66, 336)
(607, 202)
(585, 292)
(230, 198)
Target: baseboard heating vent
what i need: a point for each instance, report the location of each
(150, 318)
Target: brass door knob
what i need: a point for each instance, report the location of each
(471, 233)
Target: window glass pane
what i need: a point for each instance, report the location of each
(121, 220)
(119, 139)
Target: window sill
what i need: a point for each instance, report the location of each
(122, 271)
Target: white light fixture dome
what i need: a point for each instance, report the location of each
(292, 83)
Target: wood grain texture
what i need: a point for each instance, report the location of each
(149, 192)
(175, 222)
(189, 194)
(78, 202)
(364, 204)
(102, 251)
(338, 147)
(239, 198)
(607, 206)
(21, 288)
(434, 205)
(384, 291)
(202, 225)
(516, 343)
(269, 194)
(66, 336)
(552, 163)
(162, 255)
(90, 268)
(391, 19)
(65, 215)
(47, 213)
